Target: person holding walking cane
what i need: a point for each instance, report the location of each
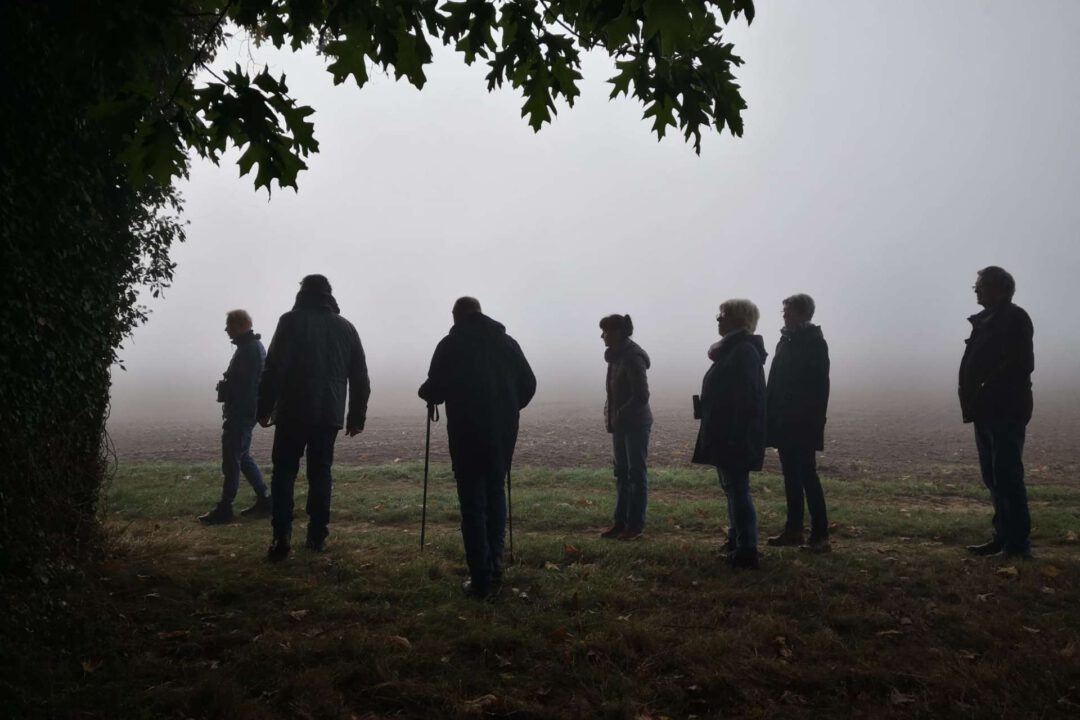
(483, 377)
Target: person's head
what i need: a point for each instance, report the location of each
(797, 310)
(237, 322)
(737, 314)
(615, 329)
(316, 284)
(993, 286)
(464, 307)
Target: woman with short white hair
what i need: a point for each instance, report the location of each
(732, 413)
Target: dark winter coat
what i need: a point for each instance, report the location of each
(732, 432)
(797, 397)
(627, 406)
(483, 377)
(314, 360)
(995, 372)
(240, 392)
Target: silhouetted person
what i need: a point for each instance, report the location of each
(314, 357)
(797, 399)
(483, 377)
(732, 413)
(629, 420)
(995, 394)
(238, 393)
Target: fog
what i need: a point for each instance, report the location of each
(891, 150)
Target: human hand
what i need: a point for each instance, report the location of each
(265, 421)
(353, 430)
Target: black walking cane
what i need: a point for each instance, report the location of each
(510, 510)
(432, 411)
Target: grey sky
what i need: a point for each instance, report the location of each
(891, 149)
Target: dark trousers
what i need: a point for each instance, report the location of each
(1001, 450)
(290, 442)
(742, 517)
(631, 450)
(801, 480)
(236, 460)
(482, 497)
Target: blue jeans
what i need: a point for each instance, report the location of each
(631, 478)
(483, 525)
(801, 480)
(742, 518)
(290, 442)
(1001, 449)
(236, 460)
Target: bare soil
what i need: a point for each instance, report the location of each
(926, 439)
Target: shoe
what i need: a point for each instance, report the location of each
(786, 538)
(728, 546)
(744, 559)
(475, 592)
(613, 532)
(631, 535)
(262, 508)
(315, 545)
(986, 549)
(817, 546)
(279, 548)
(222, 514)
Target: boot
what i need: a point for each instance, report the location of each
(262, 507)
(728, 546)
(279, 547)
(613, 532)
(790, 536)
(222, 514)
(817, 545)
(744, 559)
(986, 549)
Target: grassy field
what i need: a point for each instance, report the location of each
(897, 622)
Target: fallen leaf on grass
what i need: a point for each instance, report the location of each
(905, 621)
(1046, 590)
(886, 633)
(378, 508)
(173, 634)
(983, 597)
(898, 698)
(478, 704)
(1068, 651)
(571, 552)
(298, 615)
(548, 565)
(1008, 571)
(400, 641)
(1050, 571)
(1033, 631)
(503, 662)
(624, 618)
(1071, 536)
(90, 665)
(635, 578)
(968, 655)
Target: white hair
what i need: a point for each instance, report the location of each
(742, 311)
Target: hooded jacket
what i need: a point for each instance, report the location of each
(241, 392)
(797, 397)
(627, 405)
(732, 431)
(995, 372)
(483, 377)
(315, 360)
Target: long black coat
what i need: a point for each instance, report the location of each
(995, 372)
(314, 360)
(732, 432)
(483, 377)
(797, 398)
(241, 392)
(627, 406)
